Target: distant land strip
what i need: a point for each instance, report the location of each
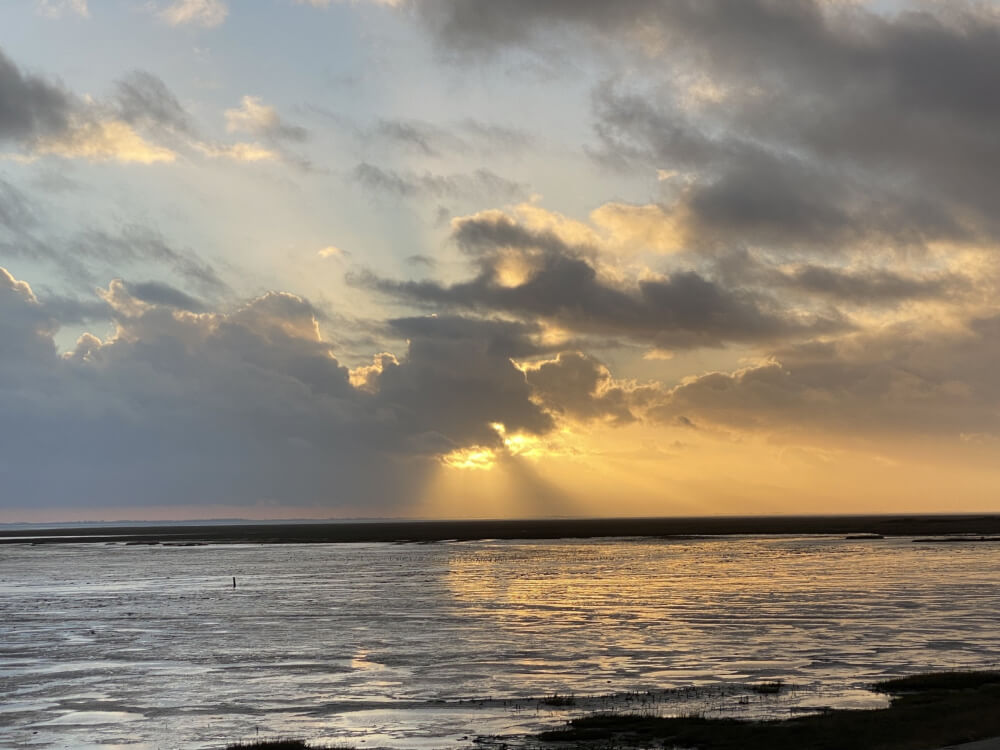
(436, 531)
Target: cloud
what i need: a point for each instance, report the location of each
(158, 293)
(45, 119)
(245, 152)
(480, 183)
(25, 328)
(250, 403)
(737, 191)
(328, 3)
(56, 9)
(30, 106)
(239, 406)
(207, 13)
(869, 280)
(16, 210)
(535, 274)
(142, 98)
(97, 141)
(421, 260)
(257, 118)
(330, 251)
(457, 379)
(435, 140)
(869, 286)
(85, 256)
(828, 125)
(65, 310)
(423, 137)
(141, 123)
(900, 382)
(579, 386)
(134, 244)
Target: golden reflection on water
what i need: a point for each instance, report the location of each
(688, 611)
(620, 575)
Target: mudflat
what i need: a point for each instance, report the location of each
(927, 711)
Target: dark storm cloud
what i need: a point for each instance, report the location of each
(685, 309)
(480, 183)
(30, 106)
(244, 406)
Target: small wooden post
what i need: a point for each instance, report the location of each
(234, 581)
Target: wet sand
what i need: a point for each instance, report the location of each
(433, 531)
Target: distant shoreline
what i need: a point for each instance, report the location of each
(437, 531)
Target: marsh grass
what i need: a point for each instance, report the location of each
(938, 681)
(558, 701)
(927, 711)
(767, 688)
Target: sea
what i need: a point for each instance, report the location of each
(458, 644)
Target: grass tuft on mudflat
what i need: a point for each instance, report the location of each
(558, 701)
(938, 681)
(927, 711)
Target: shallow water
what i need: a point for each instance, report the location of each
(427, 645)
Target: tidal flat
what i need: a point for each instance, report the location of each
(430, 645)
(927, 711)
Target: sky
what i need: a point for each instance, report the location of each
(468, 259)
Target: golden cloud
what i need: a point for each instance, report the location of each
(107, 140)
